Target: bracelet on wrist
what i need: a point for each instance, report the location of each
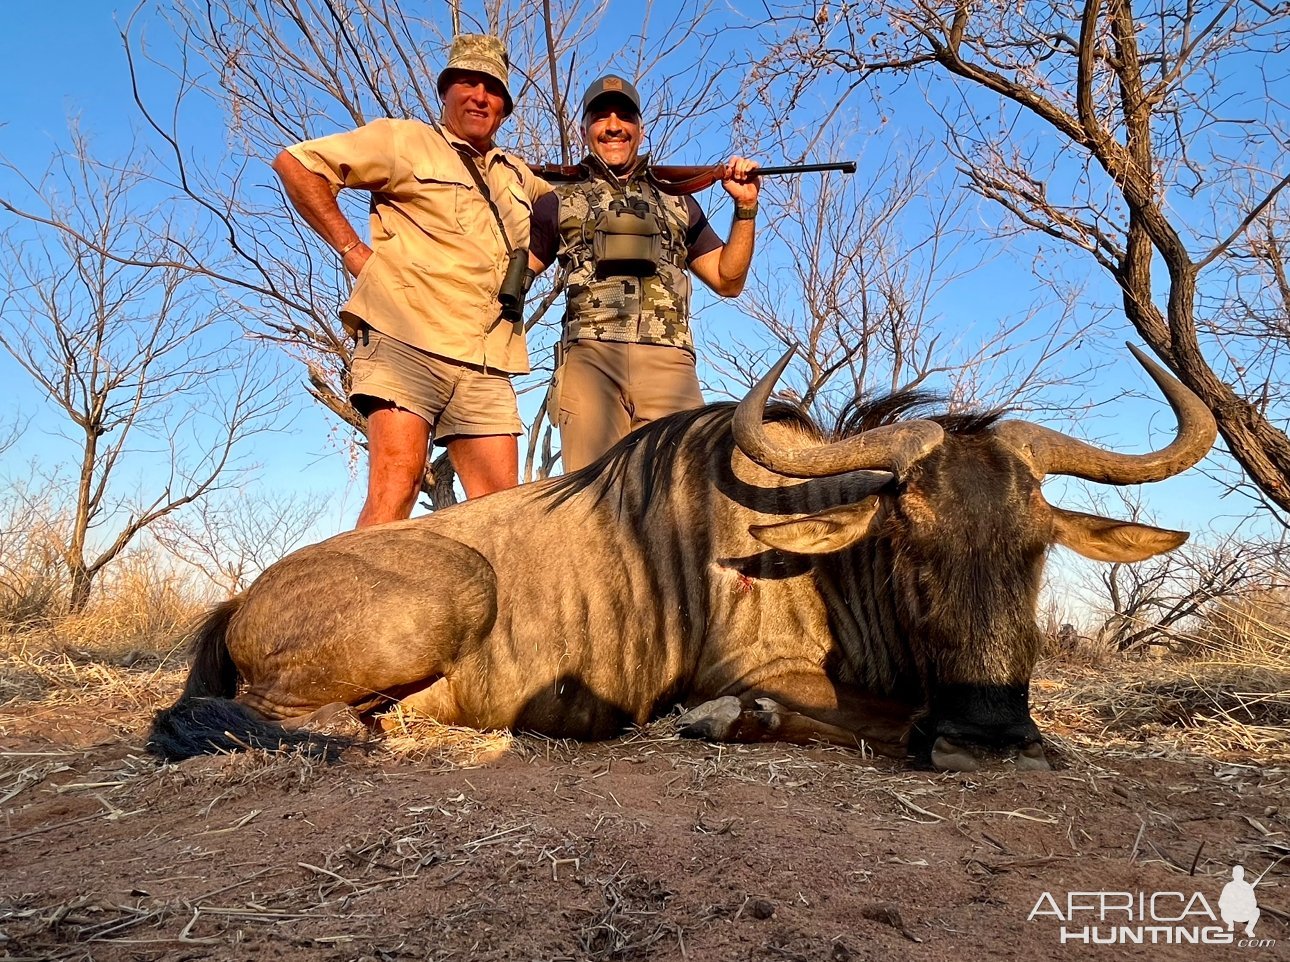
(745, 213)
(349, 247)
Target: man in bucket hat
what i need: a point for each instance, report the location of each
(627, 350)
(434, 348)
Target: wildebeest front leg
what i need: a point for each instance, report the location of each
(801, 709)
(728, 719)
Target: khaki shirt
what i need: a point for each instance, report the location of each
(437, 255)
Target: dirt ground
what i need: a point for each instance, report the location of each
(447, 845)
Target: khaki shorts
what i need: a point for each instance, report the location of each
(455, 399)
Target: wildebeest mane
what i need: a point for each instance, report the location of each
(867, 412)
(659, 445)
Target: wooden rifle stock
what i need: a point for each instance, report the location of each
(559, 174)
(679, 181)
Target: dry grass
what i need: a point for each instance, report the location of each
(124, 650)
(1223, 707)
(39, 679)
(1224, 693)
(1253, 628)
(425, 741)
(143, 593)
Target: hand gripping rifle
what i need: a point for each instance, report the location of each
(679, 181)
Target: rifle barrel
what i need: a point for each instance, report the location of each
(847, 167)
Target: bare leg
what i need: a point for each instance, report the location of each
(765, 720)
(397, 441)
(777, 723)
(485, 464)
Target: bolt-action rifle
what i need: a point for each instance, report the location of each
(679, 181)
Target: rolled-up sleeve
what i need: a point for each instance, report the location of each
(362, 158)
(537, 187)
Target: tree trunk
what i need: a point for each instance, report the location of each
(81, 580)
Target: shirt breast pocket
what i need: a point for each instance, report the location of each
(443, 205)
(517, 212)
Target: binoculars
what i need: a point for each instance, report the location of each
(515, 285)
(627, 240)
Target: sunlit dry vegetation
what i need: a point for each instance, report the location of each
(1225, 693)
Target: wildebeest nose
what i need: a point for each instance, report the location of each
(949, 756)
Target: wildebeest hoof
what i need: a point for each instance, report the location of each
(769, 714)
(714, 719)
(1032, 759)
(949, 757)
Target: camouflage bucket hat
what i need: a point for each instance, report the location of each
(482, 54)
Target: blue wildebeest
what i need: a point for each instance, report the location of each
(878, 586)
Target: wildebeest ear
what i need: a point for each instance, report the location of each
(830, 530)
(1106, 539)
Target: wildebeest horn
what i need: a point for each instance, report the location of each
(891, 448)
(1051, 452)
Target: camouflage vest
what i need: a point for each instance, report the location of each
(639, 310)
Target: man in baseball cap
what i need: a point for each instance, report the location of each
(627, 347)
(433, 353)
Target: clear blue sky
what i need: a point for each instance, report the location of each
(64, 58)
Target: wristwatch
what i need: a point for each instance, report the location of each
(745, 213)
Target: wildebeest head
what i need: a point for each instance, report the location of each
(968, 529)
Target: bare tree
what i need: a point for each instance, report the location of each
(232, 539)
(1155, 604)
(135, 360)
(1148, 139)
(1160, 602)
(871, 258)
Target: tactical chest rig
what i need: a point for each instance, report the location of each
(624, 243)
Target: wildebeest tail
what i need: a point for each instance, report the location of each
(206, 720)
(196, 725)
(213, 673)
